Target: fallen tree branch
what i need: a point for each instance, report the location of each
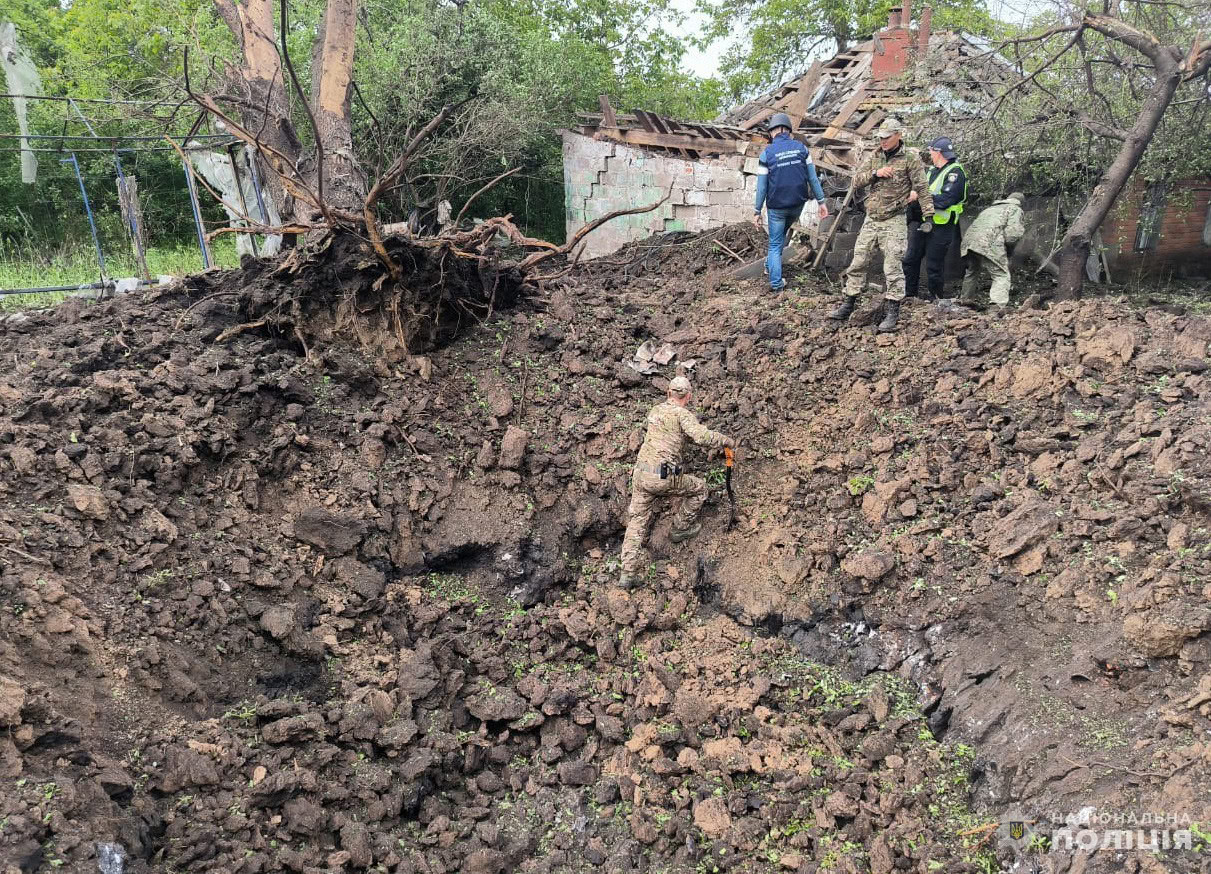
(315, 127)
(458, 219)
(189, 308)
(262, 230)
(388, 179)
(538, 257)
(728, 250)
(295, 185)
(25, 555)
(239, 329)
(227, 206)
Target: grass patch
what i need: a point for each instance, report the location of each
(26, 269)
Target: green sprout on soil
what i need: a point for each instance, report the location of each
(158, 578)
(1201, 833)
(858, 485)
(449, 587)
(245, 711)
(716, 476)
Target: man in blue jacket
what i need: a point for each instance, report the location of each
(784, 173)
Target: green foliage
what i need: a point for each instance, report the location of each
(533, 64)
(1041, 140)
(782, 36)
(859, 484)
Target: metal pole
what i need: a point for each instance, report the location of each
(256, 186)
(197, 215)
(85, 286)
(47, 289)
(239, 186)
(88, 210)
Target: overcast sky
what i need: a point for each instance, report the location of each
(706, 63)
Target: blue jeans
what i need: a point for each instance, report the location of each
(779, 220)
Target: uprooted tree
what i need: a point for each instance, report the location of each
(392, 292)
(1098, 88)
(258, 89)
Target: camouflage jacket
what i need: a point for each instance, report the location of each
(668, 426)
(1001, 223)
(887, 197)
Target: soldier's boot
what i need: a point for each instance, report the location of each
(685, 533)
(891, 315)
(843, 312)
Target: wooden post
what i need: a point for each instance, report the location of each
(132, 217)
(849, 195)
(607, 112)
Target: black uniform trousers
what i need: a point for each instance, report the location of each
(931, 247)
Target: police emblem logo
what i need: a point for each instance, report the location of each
(1017, 831)
(952, 177)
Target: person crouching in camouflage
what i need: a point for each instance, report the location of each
(658, 475)
(892, 174)
(985, 247)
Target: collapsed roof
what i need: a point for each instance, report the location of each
(835, 104)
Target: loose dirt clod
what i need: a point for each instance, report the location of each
(262, 611)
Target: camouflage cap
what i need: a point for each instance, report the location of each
(889, 128)
(1017, 195)
(680, 386)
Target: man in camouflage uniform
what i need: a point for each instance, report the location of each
(658, 475)
(892, 174)
(985, 247)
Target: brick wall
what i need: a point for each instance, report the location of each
(1180, 250)
(601, 177)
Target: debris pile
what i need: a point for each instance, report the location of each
(270, 612)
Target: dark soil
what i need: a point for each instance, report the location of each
(266, 612)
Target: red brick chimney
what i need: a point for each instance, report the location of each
(906, 14)
(894, 43)
(923, 31)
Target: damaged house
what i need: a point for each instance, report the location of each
(615, 161)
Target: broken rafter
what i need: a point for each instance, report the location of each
(796, 108)
(607, 111)
(675, 141)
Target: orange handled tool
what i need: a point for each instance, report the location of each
(729, 461)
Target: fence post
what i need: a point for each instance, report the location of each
(197, 215)
(128, 200)
(88, 210)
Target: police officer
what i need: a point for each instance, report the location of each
(658, 475)
(893, 176)
(931, 241)
(784, 173)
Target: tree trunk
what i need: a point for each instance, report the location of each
(261, 86)
(1074, 249)
(343, 183)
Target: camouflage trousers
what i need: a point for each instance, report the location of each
(646, 490)
(890, 235)
(977, 264)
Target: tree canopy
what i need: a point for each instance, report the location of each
(776, 39)
(533, 65)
